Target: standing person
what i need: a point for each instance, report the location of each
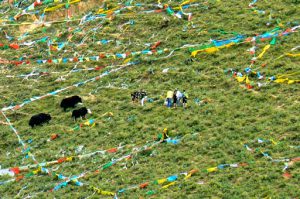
(133, 96)
(184, 99)
(179, 97)
(144, 97)
(169, 98)
(175, 98)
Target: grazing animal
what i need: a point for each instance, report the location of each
(39, 119)
(138, 95)
(80, 113)
(70, 102)
(134, 96)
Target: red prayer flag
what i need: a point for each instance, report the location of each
(16, 170)
(287, 175)
(113, 150)
(144, 185)
(61, 160)
(296, 159)
(14, 46)
(19, 178)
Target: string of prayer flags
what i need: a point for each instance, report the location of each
(216, 45)
(109, 114)
(12, 46)
(35, 98)
(289, 55)
(101, 192)
(223, 166)
(287, 165)
(173, 179)
(285, 78)
(255, 10)
(287, 161)
(164, 182)
(25, 148)
(40, 166)
(17, 170)
(240, 77)
(66, 5)
(73, 180)
(16, 46)
(93, 58)
(292, 55)
(89, 123)
(113, 162)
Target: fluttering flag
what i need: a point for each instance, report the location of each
(263, 51)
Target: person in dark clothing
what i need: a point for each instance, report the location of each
(175, 98)
(184, 99)
(134, 96)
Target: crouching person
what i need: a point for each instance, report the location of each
(144, 97)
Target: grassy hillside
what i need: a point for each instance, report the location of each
(237, 139)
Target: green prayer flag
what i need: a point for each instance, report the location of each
(273, 42)
(107, 165)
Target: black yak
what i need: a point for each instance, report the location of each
(134, 96)
(80, 113)
(70, 102)
(39, 119)
(138, 95)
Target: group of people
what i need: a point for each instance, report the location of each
(175, 97)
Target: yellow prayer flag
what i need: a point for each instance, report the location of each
(211, 50)
(228, 45)
(168, 185)
(247, 80)
(241, 79)
(161, 181)
(273, 142)
(281, 80)
(69, 159)
(264, 50)
(188, 176)
(292, 55)
(194, 53)
(126, 60)
(213, 169)
(36, 171)
(59, 6)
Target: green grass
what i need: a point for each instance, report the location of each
(216, 131)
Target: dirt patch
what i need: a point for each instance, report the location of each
(61, 14)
